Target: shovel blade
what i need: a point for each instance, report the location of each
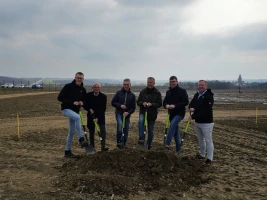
(89, 150)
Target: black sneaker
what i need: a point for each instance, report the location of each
(149, 147)
(119, 145)
(83, 142)
(200, 157)
(69, 154)
(104, 149)
(208, 162)
(141, 142)
(168, 147)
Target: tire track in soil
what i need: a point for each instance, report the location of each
(244, 177)
(258, 136)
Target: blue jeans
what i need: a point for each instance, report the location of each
(74, 123)
(173, 132)
(119, 128)
(150, 131)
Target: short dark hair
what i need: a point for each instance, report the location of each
(151, 78)
(79, 73)
(173, 77)
(127, 79)
(204, 82)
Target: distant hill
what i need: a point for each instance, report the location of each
(255, 80)
(63, 81)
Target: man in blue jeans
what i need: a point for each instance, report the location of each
(176, 99)
(71, 96)
(124, 102)
(149, 100)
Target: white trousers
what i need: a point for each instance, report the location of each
(204, 135)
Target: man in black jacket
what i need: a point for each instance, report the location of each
(149, 100)
(201, 107)
(95, 103)
(124, 102)
(71, 96)
(175, 101)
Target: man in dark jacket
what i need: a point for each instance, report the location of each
(95, 103)
(124, 102)
(201, 107)
(71, 96)
(149, 101)
(175, 101)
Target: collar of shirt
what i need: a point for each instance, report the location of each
(96, 94)
(201, 94)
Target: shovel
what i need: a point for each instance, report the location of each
(88, 149)
(99, 134)
(121, 145)
(166, 127)
(185, 131)
(142, 143)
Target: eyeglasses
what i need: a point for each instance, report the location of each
(126, 84)
(79, 78)
(172, 81)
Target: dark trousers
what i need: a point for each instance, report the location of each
(101, 133)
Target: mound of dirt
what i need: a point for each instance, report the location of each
(131, 171)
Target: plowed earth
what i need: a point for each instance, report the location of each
(33, 167)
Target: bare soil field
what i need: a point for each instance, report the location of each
(33, 167)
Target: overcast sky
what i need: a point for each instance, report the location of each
(192, 39)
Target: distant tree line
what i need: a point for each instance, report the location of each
(213, 84)
(224, 85)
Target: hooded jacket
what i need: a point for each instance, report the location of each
(71, 93)
(179, 98)
(123, 97)
(154, 97)
(203, 107)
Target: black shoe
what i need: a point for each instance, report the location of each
(83, 142)
(168, 147)
(141, 142)
(208, 162)
(119, 145)
(149, 147)
(179, 152)
(104, 149)
(69, 154)
(200, 157)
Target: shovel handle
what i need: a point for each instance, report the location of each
(84, 130)
(167, 121)
(123, 122)
(187, 125)
(145, 119)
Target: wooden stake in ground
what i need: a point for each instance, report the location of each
(18, 126)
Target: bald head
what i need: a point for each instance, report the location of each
(96, 87)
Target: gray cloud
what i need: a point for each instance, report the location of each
(116, 39)
(252, 37)
(153, 3)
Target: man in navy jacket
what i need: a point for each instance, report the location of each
(124, 102)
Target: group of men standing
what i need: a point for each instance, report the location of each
(73, 96)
